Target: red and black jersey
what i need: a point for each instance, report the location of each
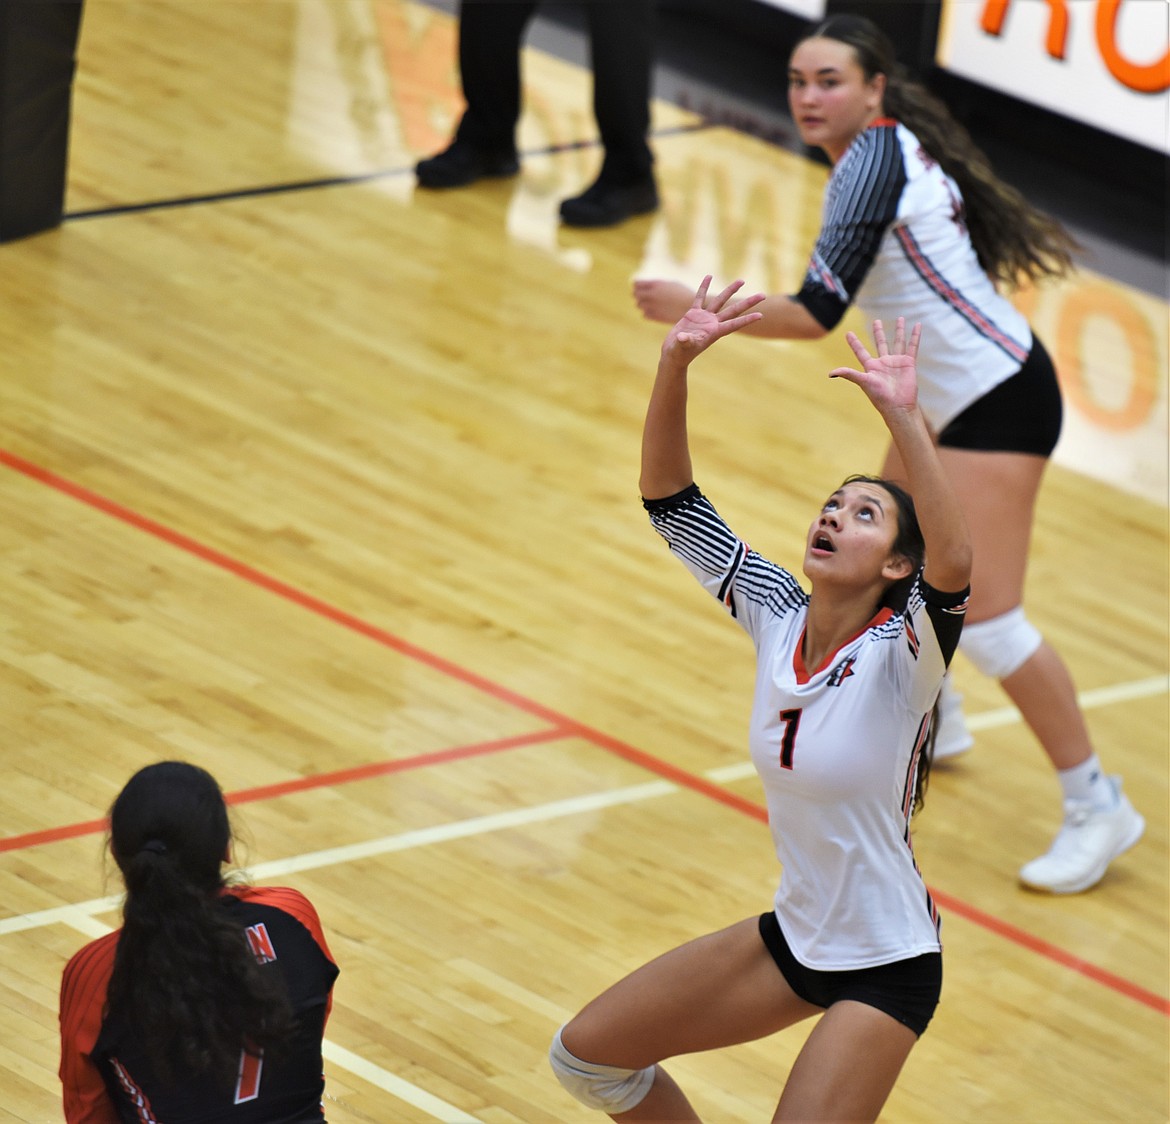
(107, 1077)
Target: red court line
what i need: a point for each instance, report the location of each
(560, 723)
(304, 784)
(1052, 952)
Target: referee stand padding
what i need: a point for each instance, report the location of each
(38, 56)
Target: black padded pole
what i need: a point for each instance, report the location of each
(38, 53)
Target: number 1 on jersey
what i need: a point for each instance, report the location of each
(791, 720)
(248, 1082)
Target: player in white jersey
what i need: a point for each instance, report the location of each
(847, 676)
(915, 223)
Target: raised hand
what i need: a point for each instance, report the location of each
(889, 379)
(708, 319)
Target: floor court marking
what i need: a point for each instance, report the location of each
(81, 915)
(681, 777)
(303, 784)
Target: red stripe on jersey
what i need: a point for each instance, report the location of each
(956, 299)
(138, 1098)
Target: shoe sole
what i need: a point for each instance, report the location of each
(633, 213)
(504, 172)
(1139, 829)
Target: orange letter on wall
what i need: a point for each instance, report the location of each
(996, 12)
(1151, 78)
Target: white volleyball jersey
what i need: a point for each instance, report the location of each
(894, 239)
(837, 746)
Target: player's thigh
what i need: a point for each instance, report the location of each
(848, 1065)
(997, 492)
(715, 991)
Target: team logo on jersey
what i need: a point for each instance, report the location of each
(842, 671)
(260, 943)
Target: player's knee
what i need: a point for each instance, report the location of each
(1001, 645)
(607, 1087)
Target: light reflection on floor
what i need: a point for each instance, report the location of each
(734, 205)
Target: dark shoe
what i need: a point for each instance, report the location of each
(605, 204)
(461, 164)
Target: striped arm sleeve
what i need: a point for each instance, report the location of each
(746, 584)
(861, 202)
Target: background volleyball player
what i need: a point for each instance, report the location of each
(210, 1002)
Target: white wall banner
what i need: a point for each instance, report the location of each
(806, 9)
(1103, 62)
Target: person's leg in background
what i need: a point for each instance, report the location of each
(490, 37)
(621, 36)
(998, 493)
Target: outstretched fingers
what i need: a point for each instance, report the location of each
(902, 346)
(700, 300)
(859, 349)
(915, 339)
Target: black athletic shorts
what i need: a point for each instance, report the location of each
(907, 990)
(1021, 415)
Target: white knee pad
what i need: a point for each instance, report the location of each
(607, 1087)
(1002, 644)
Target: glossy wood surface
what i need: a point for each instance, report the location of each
(333, 490)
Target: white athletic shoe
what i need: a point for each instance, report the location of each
(953, 737)
(1088, 841)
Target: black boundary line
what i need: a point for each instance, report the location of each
(319, 184)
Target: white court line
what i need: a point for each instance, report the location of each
(395, 1086)
(80, 916)
(1099, 696)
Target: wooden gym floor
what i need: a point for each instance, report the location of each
(330, 485)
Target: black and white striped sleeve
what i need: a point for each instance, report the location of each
(861, 201)
(749, 587)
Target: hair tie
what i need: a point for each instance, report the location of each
(154, 846)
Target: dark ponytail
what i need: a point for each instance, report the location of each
(1011, 238)
(184, 977)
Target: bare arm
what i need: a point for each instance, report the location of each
(666, 457)
(890, 381)
(781, 316)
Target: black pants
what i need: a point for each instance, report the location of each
(621, 47)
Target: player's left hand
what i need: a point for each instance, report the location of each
(890, 378)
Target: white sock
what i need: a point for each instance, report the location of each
(1087, 783)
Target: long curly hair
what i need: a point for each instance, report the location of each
(1011, 238)
(184, 977)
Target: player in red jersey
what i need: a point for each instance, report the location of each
(209, 1004)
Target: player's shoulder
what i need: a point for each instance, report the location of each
(96, 953)
(283, 898)
(88, 970)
